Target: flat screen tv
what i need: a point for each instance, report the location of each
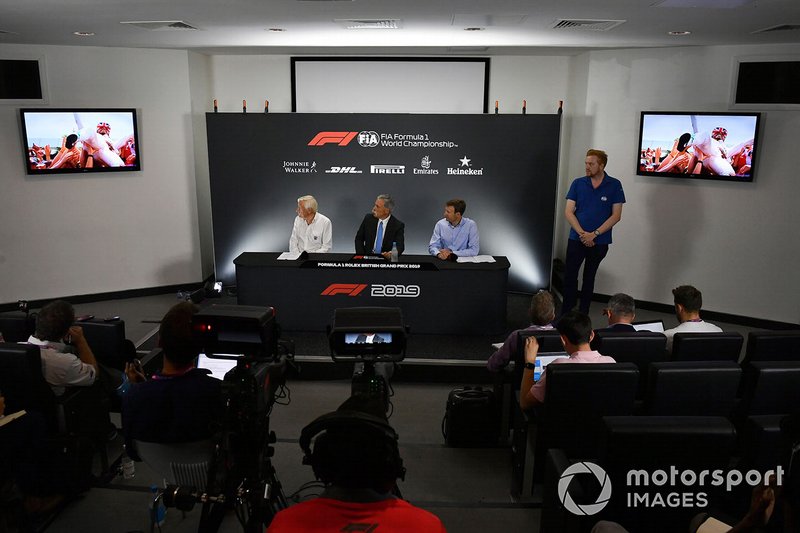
(717, 146)
(80, 140)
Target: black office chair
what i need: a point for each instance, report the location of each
(769, 394)
(507, 382)
(108, 342)
(772, 346)
(17, 326)
(576, 398)
(640, 444)
(724, 346)
(692, 388)
(638, 347)
(770, 388)
(67, 446)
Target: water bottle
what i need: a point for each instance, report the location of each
(158, 513)
(128, 466)
(395, 254)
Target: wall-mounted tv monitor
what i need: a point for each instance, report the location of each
(718, 146)
(80, 140)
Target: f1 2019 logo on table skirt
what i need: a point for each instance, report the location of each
(378, 290)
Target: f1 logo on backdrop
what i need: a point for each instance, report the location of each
(342, 138)
(388, 291)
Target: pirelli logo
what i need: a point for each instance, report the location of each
(350, 289)
(341, 138)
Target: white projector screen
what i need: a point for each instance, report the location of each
(389, 85)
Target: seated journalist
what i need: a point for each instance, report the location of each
(180, 403)
(67, 359)
(576, 334)
(621, 312)
(358, 460)
(542, 313)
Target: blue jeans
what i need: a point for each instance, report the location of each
(576, 254)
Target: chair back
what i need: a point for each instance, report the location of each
(773, 346)
(692, 388)
(22, 382)
(578, 396)
(178, 463)
(647, 444)
(17, 326)
(770, 388)
(638, 347)
(108, 342)
(724, 346)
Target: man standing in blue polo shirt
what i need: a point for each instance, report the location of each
(594, 205)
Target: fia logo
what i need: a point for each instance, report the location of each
(368, 139)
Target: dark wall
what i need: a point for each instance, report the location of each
(511, 193)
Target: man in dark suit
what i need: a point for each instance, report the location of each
(380, 223)
(621, 311)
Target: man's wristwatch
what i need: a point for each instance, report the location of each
(531, 366)
(596, 233)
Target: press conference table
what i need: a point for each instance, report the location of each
(436, 297)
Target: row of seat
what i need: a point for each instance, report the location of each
(578, 396)
(646, 445)
(106, 337)
(647, 346)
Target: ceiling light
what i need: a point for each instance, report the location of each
(368, 24)
(474, 28)
(83, 33)
(276, 29)
(678, 33)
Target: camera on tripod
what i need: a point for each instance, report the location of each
(373, 337)
(242, 344)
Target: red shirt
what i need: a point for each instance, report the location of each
(329, 515)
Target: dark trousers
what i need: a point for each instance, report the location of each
(577, 253)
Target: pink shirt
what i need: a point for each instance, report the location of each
(538, 388)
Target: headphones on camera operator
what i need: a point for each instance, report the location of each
(355, 447)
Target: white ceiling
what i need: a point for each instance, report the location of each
(425, 27)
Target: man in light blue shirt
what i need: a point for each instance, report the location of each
(455, 235)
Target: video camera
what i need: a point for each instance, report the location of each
(368, 334)
(373, 337)
(245, 340)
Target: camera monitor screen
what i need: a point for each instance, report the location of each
(717, 146)
(80, 140)
(368, 338)
(368, 333)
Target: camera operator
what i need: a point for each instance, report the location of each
(180, 403)
(358, 460)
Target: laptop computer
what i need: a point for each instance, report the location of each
(545, 358)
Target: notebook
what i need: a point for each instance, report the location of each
(652, 325)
